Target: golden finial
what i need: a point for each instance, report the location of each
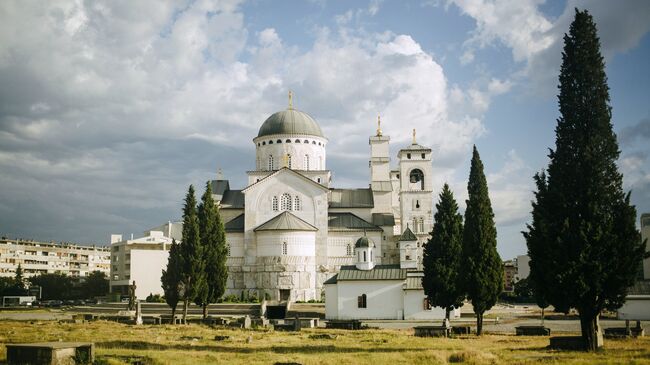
(290, 100)
(414, 136)
(378, 125)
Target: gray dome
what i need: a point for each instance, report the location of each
(290, 121)
(364, 242)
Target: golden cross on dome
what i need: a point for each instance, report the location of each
(290, 100)
(378, 125)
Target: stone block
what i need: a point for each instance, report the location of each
(432, 331)
(50, 353)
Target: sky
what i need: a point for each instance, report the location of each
(109, 110)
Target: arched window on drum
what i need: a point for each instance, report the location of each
(297, 205)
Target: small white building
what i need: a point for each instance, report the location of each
(637, 301)
(141, 260)
(369, 291)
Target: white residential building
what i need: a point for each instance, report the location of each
(141, 260)
(48, 257)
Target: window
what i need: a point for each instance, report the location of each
(362, 301)
(348, 250)
(305, 141)
(313, 142)
(270, 142)
(318, 180)
(278, 141)
(408, 257)
(284, 248)
(364, 256)
(275, 204)
(426, 305)
(306, 162)
(421, 221)
(264, 143)
(417, 204)
(408, 155)
(417, 176)
(270, 162)
(289, 160)
(423, 156)
(288, 141)
(228, 250)
(297, 141)
(285, 202)
(296, 205)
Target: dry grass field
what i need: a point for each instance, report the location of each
(195, 344)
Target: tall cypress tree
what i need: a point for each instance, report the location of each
(482, 266)
(172, 278)
(213, 240)
(584, 247)
(442, 254)
(193, 277)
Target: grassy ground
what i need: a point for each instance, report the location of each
(194, 344)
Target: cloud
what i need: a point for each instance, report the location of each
(109, 110)
(640, 130)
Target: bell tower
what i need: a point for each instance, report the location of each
(416, 188)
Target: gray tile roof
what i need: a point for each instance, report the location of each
(383, 219)
(285, 221)
(331, 280)
(351, 198)
(233, 199)
(236, 224)
(379, 272)
(413, 283)
(290, 121)
(641, 287)
(341, 222)
(219, 186)
(416, 147)
(408, 235)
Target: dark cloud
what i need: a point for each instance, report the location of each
(639, 131)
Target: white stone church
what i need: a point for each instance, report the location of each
(290, 229)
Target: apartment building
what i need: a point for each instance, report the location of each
(36, 257)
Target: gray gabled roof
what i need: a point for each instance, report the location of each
(383, 219)
(641, 287)
(415, 147)
(285, 221)
(408, 235)
(341, 222)
(236, 224)
(233, 199)
(219, 186)
(331, 280)
(351, 198)
(379, 272)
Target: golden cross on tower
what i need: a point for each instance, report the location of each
(378, 125)
(290, 100)
(414, 136)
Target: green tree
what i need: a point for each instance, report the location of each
(442, 255)
(54, 286)
(583, 244)
(482, 266)
(193, 273)
(213, 241)
(95, 285)
(171, 278)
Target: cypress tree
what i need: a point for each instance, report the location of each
(213, 240)
(442, 253)
(584, 247)
(19, 281)
(172, 278)
(482, 266)
(193, 273)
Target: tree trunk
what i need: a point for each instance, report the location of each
(479, 324)
(173, 315)
(205, 310)
(542, 316)
(588, 325)
(185, 305)
(447, 312)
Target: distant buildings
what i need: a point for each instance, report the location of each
(522, 262)
(645, 235)
(47, 257)
(509, 275)
(141, 260)
(637, 301)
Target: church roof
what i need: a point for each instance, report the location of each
(364, 241)
(290, 121)
(236, 224)
(383, 219)
(331, 280)
(342, 222)
(415, 147)
(285, 221)
(379, 272)
(233, 199)
(641, 287)
(408, 235)
(413, 283)
(351, 198)
(219, 186)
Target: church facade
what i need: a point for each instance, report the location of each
(290, 229)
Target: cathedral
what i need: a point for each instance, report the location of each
(290, 229)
